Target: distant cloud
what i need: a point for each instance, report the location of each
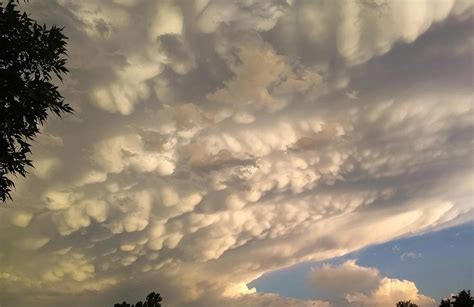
(361, 286)
(346, 278)
(410, 255)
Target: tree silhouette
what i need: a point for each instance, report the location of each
(406, 304)
(30, 56)
(445, 303)
(152, 300)
(463, 299)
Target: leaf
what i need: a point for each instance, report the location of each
(30, 55)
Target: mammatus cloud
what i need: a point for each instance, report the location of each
(360, 30)
(352, 285)
(215, 141)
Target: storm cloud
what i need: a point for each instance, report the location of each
(214, 141)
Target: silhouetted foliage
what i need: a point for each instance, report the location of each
(152, 300)
(30, 56)
(463, 299)
(406, 304)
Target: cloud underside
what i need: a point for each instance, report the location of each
(215, 141)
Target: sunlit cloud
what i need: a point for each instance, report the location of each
(350, 284)
(214, 141)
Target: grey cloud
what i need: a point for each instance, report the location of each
(356, 31)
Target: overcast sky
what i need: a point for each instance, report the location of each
(215, 141)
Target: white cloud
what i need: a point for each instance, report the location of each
(168, 20)
(258, 15)
(262, 78)
(361, 286)
(389, 293)
(346, 278)
(44, 168)
(21, 218)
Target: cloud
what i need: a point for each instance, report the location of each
(45, 168)
(21, 218)
(346, 278)
(362, 286)
(410, 255)
(262, 78)
(240, 14)
(360, 30)
(215, 141)
(389, 293)
(32, 243)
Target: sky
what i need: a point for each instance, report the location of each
(250, 153)
(440, 263)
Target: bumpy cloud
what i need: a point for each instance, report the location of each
(214, 141)
(360, 30)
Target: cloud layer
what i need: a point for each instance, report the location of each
(214, 141)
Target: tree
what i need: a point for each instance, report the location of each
(406, 304)
(445, 303)
(31, 55)
(463, 299)
(152, 300)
